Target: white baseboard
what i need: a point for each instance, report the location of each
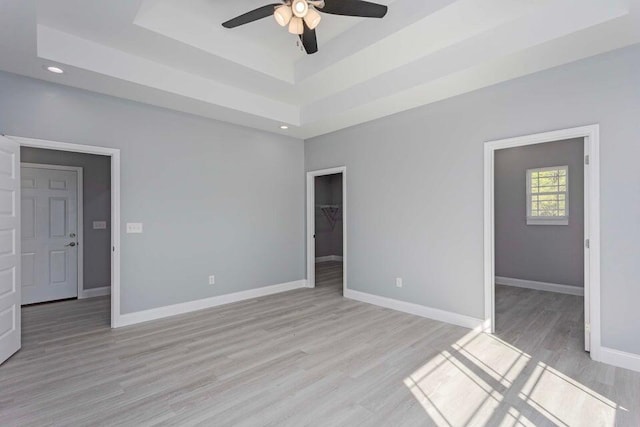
(418, 310)
(329, 258)
(619, 358)
(201, 304)
(540, 286)
(95, 292)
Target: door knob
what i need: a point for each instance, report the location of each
(72, 244)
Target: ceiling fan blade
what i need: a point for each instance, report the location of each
(360, 8)
(254, 15)
(309, 40)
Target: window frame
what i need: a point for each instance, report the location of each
(549, 220)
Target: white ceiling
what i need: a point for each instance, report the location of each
(175, 53)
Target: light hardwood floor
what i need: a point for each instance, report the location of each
(310, 357)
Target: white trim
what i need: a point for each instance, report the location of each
(80, 213)
(201, 304)
(548, 221)
(418, 310)
(336, 258)
(311, 224)
(94, 292)
(619, 358)
(114, 153)
(591, 227)
(540, 286)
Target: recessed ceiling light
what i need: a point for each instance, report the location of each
(55, 70)
(284, 127)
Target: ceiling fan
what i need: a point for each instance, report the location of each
(302, 16)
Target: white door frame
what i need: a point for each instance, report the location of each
(80, 208)
(591, 135)
(114, 153)
(311, 224)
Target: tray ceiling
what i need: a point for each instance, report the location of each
(175, 54)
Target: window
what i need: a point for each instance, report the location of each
(548, 196)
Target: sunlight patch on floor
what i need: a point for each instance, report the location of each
(548, 390)
(473, 382)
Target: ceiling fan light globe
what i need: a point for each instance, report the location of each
(283, 15)
(312, 19)
(296, 26)
(300, 8)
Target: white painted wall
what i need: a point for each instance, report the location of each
(416, 186)
(214, 198)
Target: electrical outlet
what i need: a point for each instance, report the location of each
(212, 280)
(399, 282)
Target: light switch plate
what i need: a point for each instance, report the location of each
(134, 227)
(99, 225)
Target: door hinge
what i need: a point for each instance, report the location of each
(587, 243)
(586, 160)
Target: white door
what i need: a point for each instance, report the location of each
(9, 248)
(49, 234)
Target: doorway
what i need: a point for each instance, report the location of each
(11, 229)
(539, 241)
(326, 228)
(66, 223)
(590, 247)
(51, 231)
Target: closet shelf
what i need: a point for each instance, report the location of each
(331, 213)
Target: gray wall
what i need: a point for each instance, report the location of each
(415, 187)
(543, 253)
(214, 198)
(96, 176)
(328, 191)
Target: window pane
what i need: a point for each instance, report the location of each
(552, 181)
(548, 192)
(548, 189)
